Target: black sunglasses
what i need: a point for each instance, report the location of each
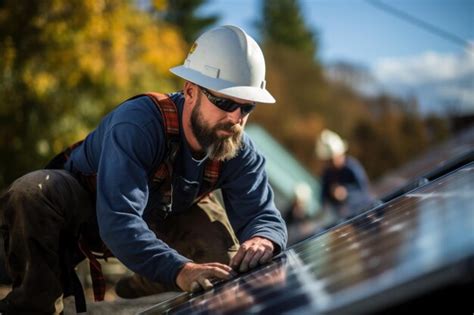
(226, 104)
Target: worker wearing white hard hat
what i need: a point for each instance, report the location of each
(228, 61)
(344, 183)
(140, 187)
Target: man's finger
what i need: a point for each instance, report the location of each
(219, 265)
(205, 283)
(266, 257)
(195, 287)
(236, 260)
(224, 267)
(244, 264)
(216, 272)
(256, 257)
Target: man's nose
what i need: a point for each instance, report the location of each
(236, 116)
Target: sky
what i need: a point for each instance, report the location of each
(404, 59)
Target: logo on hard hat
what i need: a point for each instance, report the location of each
(193, 48)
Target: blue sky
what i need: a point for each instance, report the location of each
(404, 59)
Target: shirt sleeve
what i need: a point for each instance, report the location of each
(248, 199)
(359, 175)
(122, 194)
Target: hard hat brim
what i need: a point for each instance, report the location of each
(249, 93)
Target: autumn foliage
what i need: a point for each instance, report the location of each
(64, 64)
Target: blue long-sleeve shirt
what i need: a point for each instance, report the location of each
(124, 151)
(353, 177)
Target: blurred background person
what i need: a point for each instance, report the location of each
(297, 212)
(299, 216)
(344, 183)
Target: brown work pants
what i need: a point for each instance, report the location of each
(44, 212)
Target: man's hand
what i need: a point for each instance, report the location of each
(339, 193)
(255, 251)
(192, 277)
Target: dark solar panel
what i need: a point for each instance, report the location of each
(414, 244)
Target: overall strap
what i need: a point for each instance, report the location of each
(169, 112)
(162, 176)
(211, 175)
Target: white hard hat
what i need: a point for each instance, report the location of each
(329, 144)
(228, 61)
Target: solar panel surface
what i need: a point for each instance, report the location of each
(409, 245)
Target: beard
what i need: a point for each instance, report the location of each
(217, 147)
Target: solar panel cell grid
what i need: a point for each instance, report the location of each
(399, 245)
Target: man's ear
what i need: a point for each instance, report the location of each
(190, 92)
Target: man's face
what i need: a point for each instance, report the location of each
(221, 140)
(338, 161)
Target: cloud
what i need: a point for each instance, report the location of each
(436, 78)
(426, 68)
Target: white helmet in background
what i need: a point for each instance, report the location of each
(329, 144)
(228, 61)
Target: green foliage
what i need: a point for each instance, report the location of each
(64, 64)
(282, 23)
(182, 14)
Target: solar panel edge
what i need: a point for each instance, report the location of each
(435, 277)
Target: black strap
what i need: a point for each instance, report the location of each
(72, 284)
(79, 298)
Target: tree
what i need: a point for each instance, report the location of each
(294, 76)
(182, 14)
(383, 131)
(282, 23)
(64, 64)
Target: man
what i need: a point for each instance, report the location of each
(141, 181)
(344, 183)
